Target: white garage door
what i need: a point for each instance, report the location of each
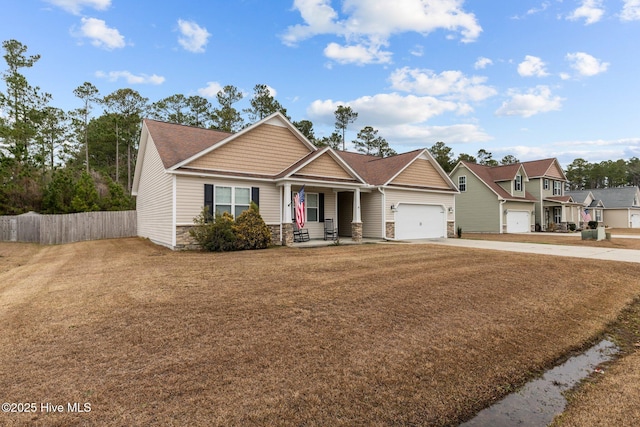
(420, 222)
(518, 222)
(635, 221)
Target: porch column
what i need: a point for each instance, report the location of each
(287, 224)
(356, 224)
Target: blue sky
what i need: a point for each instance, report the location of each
(539, 78)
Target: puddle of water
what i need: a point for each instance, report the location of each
(540, 400)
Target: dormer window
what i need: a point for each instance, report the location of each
(518, 184)
(557, 188)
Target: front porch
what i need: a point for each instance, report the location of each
(340, 203)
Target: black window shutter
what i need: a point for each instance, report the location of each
(208, 198)
(255, 195)
(321, 207)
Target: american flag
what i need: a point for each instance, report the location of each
(586, 217)
(299, 208)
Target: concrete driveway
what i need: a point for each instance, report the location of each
(626, 255)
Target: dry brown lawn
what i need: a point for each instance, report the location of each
(631, 242)
(347, 335)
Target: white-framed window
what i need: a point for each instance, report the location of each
(233, 200)
(311, 200)
(311, 205)
(598, 215)
(557, 215)
(462, 183)
(557, 188)
(518, 183)
(546, 183)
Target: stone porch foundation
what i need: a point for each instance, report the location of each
(287, 234)
(356, 231)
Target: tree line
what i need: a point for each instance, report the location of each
(56, 161)
(581, 174)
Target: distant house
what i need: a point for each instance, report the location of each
(182, 169)
(517, 198)
(613, 207)
(493, 199)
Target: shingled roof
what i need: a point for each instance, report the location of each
(491, 175)
(378, 170)
(176, 143)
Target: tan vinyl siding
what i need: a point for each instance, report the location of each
(421, 173)
(555, 172)
(393, 197)
(324, 166)
(477, 209)
(617, 218)
(190, 197)
(267, 149)
(154, 202)
(371, 214)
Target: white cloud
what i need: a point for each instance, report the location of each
(535, 101)
(368, 24)
(131, 78)
(385, 109)
(630, 10)
(194, 37)
(100, 34)
(586, 65)
(76, 6)
(357, 54)
(482, 63)
(418, 51)
(590, 10)
(211, 90)
(532, 66)
(452, 85)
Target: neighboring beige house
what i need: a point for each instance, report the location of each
(181, 169)
(612, 207)
(493, 199)
(590, 208)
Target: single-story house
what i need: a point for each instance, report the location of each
(180, 170)
(591, 208)
(613, 207)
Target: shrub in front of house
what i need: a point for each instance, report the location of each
(251, 231)
(593, 225)
(221, 233)
(572, 226)
(214, 233)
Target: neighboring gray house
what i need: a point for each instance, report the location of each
(620, 207)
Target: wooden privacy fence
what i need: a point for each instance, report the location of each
(68, 228)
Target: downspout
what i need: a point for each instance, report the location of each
(502, 202)
(281, 211)
(384, 213)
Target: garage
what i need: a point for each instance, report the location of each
(518, 222)
(419, 221)
(635, 220)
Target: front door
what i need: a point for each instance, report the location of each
(345, 213)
